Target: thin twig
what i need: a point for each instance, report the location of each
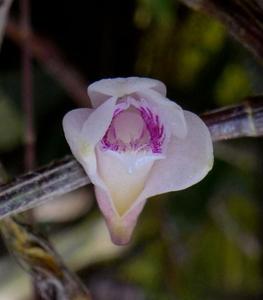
(242, 18)
(27, 104)
(53, 61)
(27, 88)
(65, 175)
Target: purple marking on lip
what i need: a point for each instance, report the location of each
(151, 138)
(155, 129)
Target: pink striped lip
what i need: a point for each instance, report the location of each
(150, 136)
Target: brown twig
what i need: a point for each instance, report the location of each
(53, 61)
(27, 88)
(63, 176)
(27, 104)
(244, 120)
(242, 18)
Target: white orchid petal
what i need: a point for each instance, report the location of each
(72, 124)
(171, 112)
(98, 122)
(120, 228)
(187, 161)
(101, 90)
(125, 183)
(82, 148)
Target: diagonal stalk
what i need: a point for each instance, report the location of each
(65, 175)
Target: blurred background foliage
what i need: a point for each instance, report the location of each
(202, 243)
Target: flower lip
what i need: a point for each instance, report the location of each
(134, 128)
(155, 128)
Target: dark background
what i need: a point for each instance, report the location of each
(202, 243)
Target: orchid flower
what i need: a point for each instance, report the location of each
(133, 144)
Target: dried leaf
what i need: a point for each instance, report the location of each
(35, 254)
